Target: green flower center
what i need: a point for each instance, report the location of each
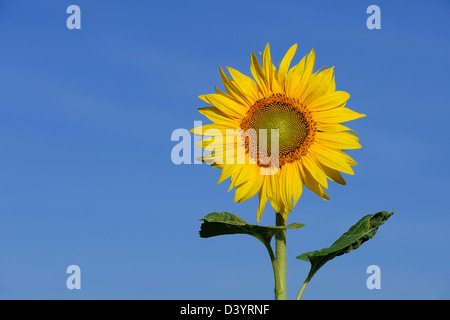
(290, 122)
(293, 121)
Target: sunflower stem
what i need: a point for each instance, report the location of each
(275, 270)
(302, 289)
(280, 251)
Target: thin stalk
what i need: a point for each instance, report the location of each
(302, 289)
(276, 275)
(280, 251)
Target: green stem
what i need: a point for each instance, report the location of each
(280, 251)
(302, 289)
(275, 270)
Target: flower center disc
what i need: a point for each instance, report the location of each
(296, 130)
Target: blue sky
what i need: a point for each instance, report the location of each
(86, 118)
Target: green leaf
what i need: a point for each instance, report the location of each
(359, 233)
(221, 223)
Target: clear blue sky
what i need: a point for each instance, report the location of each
(86, 176)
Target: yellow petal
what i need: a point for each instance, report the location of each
(334, 175)
(285, 63)
(227, 171)
(347, 158)
(330, 157)
(204, 142)
(329, 101)
(326, 127)
(297, 182)
(215, 115)
(273, 191)
(315, 170)
(259, 76)
(225, 104)
(286, 186)
(210, 129)
(311, 183)
(210, 158)
(270, 72)
(336, 115)
(293, 185)
(307, 73)
(267, 65)
(234, 91)
(298, 77)
(262, 194)
(244, 173)
(247, 85)
(321, 83)
(247, 190)
(337, 140)
(217, 165)
(293, 78)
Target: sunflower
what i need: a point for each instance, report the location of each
(305, 111)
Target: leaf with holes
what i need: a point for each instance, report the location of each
(363, 230)
(222, 223)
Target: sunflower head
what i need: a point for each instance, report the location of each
(278, 131)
